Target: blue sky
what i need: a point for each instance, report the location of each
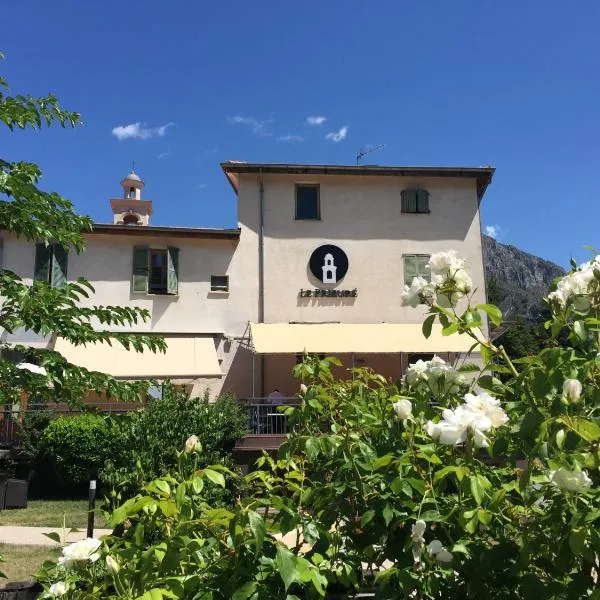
(468, 83)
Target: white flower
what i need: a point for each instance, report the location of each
(573, 481)
(112, 565)
(417, 531)
(418, 541)
(432, 429)
(416, 292)
(33, 368)
(192, 444)
(576, 286)
(403, 408)
(303, 389)
(83, 550)
(436, 549)
(489, 406)
(58, 589)
(417, 372)
(572, 390)
(444, 262)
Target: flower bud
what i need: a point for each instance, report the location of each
(192, 444)
(572, 390)
(112, 565)
(403, 408)
(303, 389)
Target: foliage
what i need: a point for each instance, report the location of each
(46, 217)
(78, 446)
(454, 485)
(149, 439)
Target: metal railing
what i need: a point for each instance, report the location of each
(265, 416)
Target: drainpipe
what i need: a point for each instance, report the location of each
(261, 271)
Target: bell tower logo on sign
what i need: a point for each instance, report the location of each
(329, 264)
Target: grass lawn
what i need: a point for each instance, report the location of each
(21, 562)
(49, 513)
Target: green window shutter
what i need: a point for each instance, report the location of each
(422, 201)
(58, 276)
(422, 261)
(409, 201)
(172, 270)
(139, 271)
(41, 270)
(410, 268)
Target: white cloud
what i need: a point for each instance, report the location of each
(337, 136)
(493, 231)
(315, 120)
(290, 138)
(201, 186)
(140, 131)
(259, 127)
(163, 155)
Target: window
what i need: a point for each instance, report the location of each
(131, 219)
(307, 202)
(413, 357)
(50, 264)
(219, 283)
(415, 201)
(132, 192)
(415, 265)
(155, 271)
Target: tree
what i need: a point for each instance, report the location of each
(47, 217)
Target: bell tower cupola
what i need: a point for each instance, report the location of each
(131, 209)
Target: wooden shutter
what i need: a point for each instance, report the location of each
(422, 201)
(172, 270)
(409, 201)
(139, 271)
(410, 268)
(41, 271)
(58, 277)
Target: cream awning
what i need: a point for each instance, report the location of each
(185, 357)
(346, 338)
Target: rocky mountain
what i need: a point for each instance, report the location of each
(517, 280)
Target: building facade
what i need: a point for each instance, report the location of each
(317, 264)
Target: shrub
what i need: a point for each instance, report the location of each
(77, 447)
(149, 439)
(444, 488)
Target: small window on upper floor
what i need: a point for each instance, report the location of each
(415, 265)
(132, 192)
(415, 201)
(219, 283)
(155, 271)
(307, 202)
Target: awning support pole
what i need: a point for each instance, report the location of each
(253, 378)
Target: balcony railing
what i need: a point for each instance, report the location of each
(265, 416)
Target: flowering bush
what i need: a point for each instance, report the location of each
(452, 485)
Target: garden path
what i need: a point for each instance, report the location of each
(34, 536)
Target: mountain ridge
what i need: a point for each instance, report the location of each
(516, 280)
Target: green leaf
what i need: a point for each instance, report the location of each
(367, 517)
(493, 312)
(285, 562)
(580, 330)
(245, 591)
(216, 478)
(382, 461)
(479, 484)
(577, 541)
(53, 536)
(587, 430)
(312, 448)
(388, 513)
(428, 325)
(257, 526)
(452, 328)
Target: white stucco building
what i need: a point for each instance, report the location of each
(317, 263)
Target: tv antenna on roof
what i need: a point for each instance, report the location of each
(367, 150)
